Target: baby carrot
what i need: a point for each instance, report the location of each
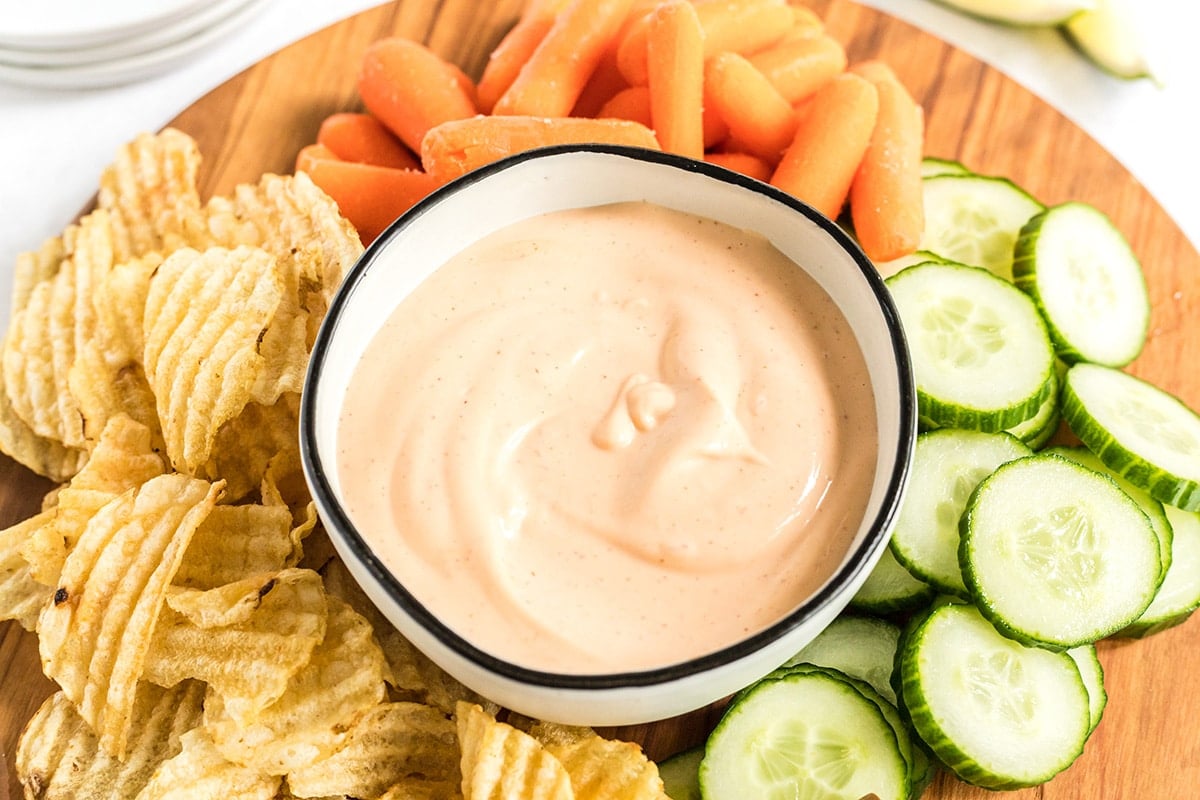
(454, 148)
(715, 129)
(371, 197)
(675, 60)
(737, 26)
(550, 82)
(747, 164)
(606, 79)
(313, 152)
(875, 71)
(805, 23)
(743, 26)
(886, 200)
(363, 138)
(631, 103)
(631, 52)
(798, 67)
(760, 120)
(604, 84)
(410, 89)
(830, 141)
(514, 50)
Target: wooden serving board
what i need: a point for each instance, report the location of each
(1148, 744)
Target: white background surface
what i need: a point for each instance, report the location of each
(54, 143)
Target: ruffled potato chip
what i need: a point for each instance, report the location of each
(57, 321)
(38, 353)
(200, 772)
(247, 640)
(389, 744)
(33, 267)
(245, 447)
(107, 377)
(290, 217)
(342, 680)
(60, 758)
(283, 484)
(208, 318)
(607, 769)
(123, 459)
(95, 634)
(236, 542)
(500, 762)
(46, 457)
(423, 789)
(150, 192)
(238, 603)
(21, 596)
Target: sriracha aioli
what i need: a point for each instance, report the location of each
(610, 439)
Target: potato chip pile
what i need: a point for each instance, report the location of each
(204, 639)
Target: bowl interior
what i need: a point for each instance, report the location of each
(558, 178)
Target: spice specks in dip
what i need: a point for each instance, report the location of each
(610, 439)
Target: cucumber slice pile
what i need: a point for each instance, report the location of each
(1087, 283)
(1012, 554)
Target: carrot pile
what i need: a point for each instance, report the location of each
(756, 86)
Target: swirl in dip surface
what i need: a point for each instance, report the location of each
(610, 439)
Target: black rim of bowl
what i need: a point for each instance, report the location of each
(856, 563)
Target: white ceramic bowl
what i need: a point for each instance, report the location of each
(549, 180)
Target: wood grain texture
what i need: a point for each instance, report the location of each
(1147, 745)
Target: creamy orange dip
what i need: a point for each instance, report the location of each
(610, 439)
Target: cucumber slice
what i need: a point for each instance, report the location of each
(1055, 554)
(891, 589)
(931, 166)
(995, 712)
(1088, 663)
(889, 268)
(681, 774)
(1023, 12)
(803, 734)
(920, 766)
(1179, 595)
(1142, 433)
(1111, 36)
(981, 357)
(975, 219)
(1087, 283)
(1150, 507)
(947, 466)
(1038, 429)
(860, 647)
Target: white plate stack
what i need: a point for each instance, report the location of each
(81, 44)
